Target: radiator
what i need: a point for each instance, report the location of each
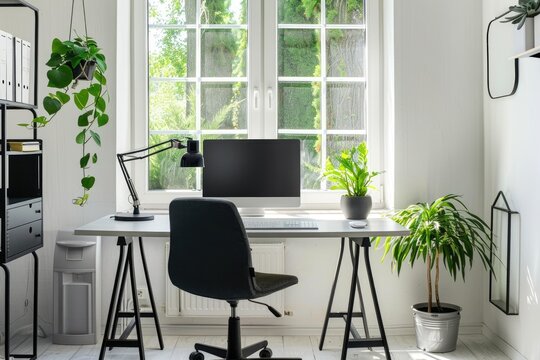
(266, 258)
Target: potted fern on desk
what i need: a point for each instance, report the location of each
(351, 174)
(446, 232)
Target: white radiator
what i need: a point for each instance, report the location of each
(266, 258)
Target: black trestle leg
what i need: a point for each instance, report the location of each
(366, 244)
(119, 301)
(151, 294)
(331, 300)
(360, 296)
(348, 321)
(136, 311)
(121, 244)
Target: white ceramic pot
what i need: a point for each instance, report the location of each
(524, 37)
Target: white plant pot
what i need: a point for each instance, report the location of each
(524, 37)
(536, 30)
(436, 332)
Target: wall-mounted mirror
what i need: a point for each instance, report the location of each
(502, 71)
(505, 250)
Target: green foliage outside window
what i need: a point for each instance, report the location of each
(172, 105)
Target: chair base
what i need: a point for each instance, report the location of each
(222, 352)
(234, 350)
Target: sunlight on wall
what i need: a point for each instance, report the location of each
(532, 298)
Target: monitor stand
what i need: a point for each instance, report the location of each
(251, 212)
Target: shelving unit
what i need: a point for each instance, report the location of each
(534, 52)
(21, 194)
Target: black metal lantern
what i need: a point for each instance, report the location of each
(504, 276)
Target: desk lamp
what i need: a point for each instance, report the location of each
(192, 158)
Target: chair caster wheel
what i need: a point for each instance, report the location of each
(196, 356)
(265, 353)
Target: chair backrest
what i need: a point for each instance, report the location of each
(209, 253)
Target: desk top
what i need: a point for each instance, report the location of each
(328, 228)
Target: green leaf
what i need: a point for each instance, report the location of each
(63, 97)
(81, 98)
(83, 119)
(95, 90)
(23, 124)
(94, 158)
(60, 77)
(81, 137)
(87, 182)
(58, 47)
(101, 105)
(96, 137)
(80, 200)
(103, 119)
(101, 64)
(84, 160)
(55, 60)
(100, 78)
(41, 120)
(51, 105)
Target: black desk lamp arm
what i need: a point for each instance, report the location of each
(123, 158)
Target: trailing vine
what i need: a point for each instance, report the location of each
(72, 61)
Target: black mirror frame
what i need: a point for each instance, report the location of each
(516, 64)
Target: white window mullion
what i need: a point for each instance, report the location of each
(198, 84)
(324, 139)
(270, 70)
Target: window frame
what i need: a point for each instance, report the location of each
(261, 96)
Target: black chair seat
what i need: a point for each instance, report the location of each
(265, 284)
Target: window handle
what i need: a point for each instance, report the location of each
(270, 94)
(255, 99)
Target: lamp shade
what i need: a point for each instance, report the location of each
(192, 158)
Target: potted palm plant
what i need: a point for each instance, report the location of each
(442, 231)
(351, 174)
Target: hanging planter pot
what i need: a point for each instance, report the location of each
(84, 71)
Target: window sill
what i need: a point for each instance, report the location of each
(293, 212)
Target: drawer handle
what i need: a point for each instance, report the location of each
(38, 211)
(30, 229)
(38, 235)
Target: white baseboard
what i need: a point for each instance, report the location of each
(262, 330)
(505, 347)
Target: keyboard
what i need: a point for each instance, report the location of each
(279, 224)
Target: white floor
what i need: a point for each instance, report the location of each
(469, 347)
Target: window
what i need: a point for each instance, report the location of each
(256, 69)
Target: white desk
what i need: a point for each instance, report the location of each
(107, 226)
(159, 227)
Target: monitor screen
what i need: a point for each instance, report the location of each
(253, 173)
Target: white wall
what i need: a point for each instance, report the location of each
(433, 115)
(438, 149)
(511, 164)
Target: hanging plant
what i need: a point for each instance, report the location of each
(71, 62)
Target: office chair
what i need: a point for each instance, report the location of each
(210, 256)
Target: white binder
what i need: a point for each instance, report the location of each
(9, 67)
(3, 65)
(18, 69)
(26, 47)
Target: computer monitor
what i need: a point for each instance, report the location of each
(253, 173)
